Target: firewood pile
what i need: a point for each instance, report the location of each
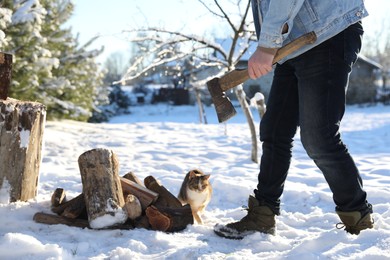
(109, 201)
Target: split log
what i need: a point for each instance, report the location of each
(133, 207)
(77, 209)
(77, 203)
(51, 219)
(169, 219)
(58, 197)
(5, 74)
(142, 222)
(145, 196)
(21, 136)
(165, 199)
(158, 221)
(102, 188)
(132, 177)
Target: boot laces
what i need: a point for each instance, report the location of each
(356, 228)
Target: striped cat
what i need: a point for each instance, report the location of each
(196, 190)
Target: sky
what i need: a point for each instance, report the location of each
(97, 17)
(166, 142)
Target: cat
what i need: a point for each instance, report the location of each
(196, 191)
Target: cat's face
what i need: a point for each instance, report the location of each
(198, 181)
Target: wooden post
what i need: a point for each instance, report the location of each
(5, 74)
(102, 188)
(21, 134)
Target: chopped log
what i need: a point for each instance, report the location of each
(58, 197)
(169, 219)
(77, 209)
(102, 188)
(145, 196)
(142, 222)
(133, 207)
(78, 201)
(165, 199)
(51, 219)
(132, 177)
(21, 136)
(5, 74)
(158, 221)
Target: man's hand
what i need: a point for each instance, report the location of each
(260, 63)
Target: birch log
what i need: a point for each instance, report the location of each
(102, 188)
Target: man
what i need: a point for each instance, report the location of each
(308, 90)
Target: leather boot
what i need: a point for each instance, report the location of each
(260, 218)
(353, 222)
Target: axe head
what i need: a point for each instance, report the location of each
(223, 106)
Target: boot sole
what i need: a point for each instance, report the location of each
(229, 233)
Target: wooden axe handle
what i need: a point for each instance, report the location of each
(239, 76)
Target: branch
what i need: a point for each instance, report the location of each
(189, 38)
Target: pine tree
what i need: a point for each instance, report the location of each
(49, 65)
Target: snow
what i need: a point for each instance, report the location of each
(5, 190)
(114, 215)
(24, 138)
(166, 142)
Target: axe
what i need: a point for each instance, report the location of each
(218, 86)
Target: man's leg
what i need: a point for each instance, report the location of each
(277, 130)
(322, 88)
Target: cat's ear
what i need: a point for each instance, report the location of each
(192, 174)
(207, 176)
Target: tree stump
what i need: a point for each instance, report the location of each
(102, 188)
(21, 134)
(5, 74)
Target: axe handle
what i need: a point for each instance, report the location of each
(239, 76)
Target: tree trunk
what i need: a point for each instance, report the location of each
(244, 105)
(102, 188)
(202, 114)
(5, 74)
(21, 134)
(260, 103)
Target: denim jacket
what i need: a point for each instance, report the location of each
(325, 17)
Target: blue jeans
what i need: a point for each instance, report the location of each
(309, 91)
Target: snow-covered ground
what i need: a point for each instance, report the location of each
(166, 142)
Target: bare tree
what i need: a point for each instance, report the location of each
(115, 67)
(168, 46)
